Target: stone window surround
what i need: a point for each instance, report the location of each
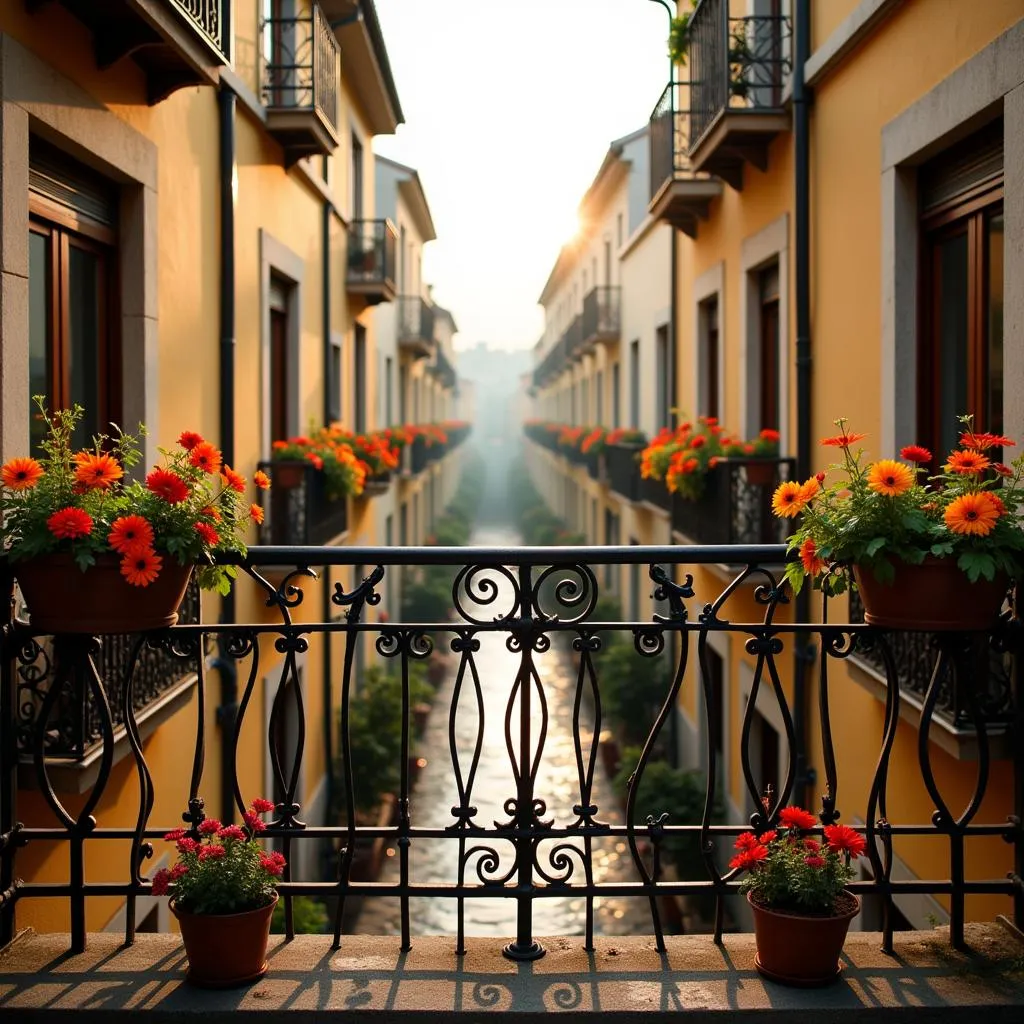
(709, 285)
(988, 85)
(37, 100)
(769, 245)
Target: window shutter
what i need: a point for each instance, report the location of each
(972, 166)
(61, 180)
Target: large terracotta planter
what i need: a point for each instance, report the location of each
(63, 599)
(935, 595)
(225, 950)
(798, 949)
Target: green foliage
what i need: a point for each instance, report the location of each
(633, 689)
(309, 916)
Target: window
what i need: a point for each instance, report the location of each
(280, 370)
(709, 367)
(599, 397)
(961, 338)
(607, 262)
(616, 401)
(334, 383)
(388, 387)
(585, 401)
(403, 384)
(663, 378)
(634, 384)
(768, 362)
(73, 342)
(359, 378)
(357, 178)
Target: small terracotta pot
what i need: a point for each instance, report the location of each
(935, 595)
(799, 949)
(762, 473)
(225, 950)
(63, 599)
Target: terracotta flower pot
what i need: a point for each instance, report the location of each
(63, 599)
(799, 949)
(935, 595)
(225, 950)
(761, 473)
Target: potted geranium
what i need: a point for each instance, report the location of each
(926, 554)
(796, 890)
(97, 552)
(379, 458)
(329, 452)
(223, 890)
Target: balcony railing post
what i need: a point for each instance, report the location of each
(8, 765)
(1017, 745)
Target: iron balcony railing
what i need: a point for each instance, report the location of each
(668, 139)
(572, 339)
(735, 64)
(623, 462)
(416, 323)
(300, 66)
(535, 605)
(212, 18)
(372, 254)
(602, 314)
(552, 364)
(443, 369)
(299, 508)
(736, 504)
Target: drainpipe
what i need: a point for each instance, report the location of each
(227, 670)
(804, 656)
(328, 736)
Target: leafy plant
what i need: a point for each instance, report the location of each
(83, 503)
(329, 450)
(309, 917)
(221, 869)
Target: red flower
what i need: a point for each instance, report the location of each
(233, 480)
(796, 817)
(167, 485)
(70, 523)
(915, 453)
(261, 805)
(843, 839)
(175, 834)
(254, 821)
(231, 832)
(272, 863)
(843, 440)
(1002, 469)
(814, 861)
(129, 533)
(21, 474)
(969, 439)
(747, 859)
(768, 837)
(160, 882)
(208, 533)
(256, 514)
(211, 852)
(205, 457)
(208, 826)
(97, 472)
(747, 841)
(141, 566)
(178, 870)
(186, 844)
(189, 439)
(699, 441)
(261, 480)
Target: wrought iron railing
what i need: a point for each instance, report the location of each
(300, 65)
(75, 723)
(372, 248)
(623, 462)
(443, 369)
(601, 314)
(735, 63)
(552, 364)
(415, 320)
(736, 504)
(669, 139)
(299, 507)
(533, 603)
(572, 340)
(212, 18)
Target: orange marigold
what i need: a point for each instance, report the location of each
(788, 500)
(968, 462)
(889, 477)
(21, 474)
(972, 514)
(129, 533)
(69, 523)
(96, 472)
(141, 567)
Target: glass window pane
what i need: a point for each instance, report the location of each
(85, 282)
(39, 354)
(994, 318)
(952, 338)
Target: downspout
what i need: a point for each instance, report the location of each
(804, 652)
(328, 736)
(227, 669)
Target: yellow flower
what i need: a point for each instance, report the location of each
(788, 500)
(889, 477)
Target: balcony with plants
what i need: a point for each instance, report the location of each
(176, 44)
(299, 83)
(372, 260)
(415, 327)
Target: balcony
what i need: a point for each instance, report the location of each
(300, 84)
(552, 365)
(738, 68)
(679, 195)
(623, 465)
(298, 508)
(736, 506)
(415, 327)
(534, 606)
(602, 316)
(370, 271)
(572, 339)
(177, 43)
(443, 371)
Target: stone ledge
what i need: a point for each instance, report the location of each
(369, 977)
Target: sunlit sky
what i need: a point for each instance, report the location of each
(509, 111)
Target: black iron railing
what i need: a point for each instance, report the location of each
(443, 369)
(736, 504)
(573, 338)
(669, 139)
(372, 247)
(601, 314)
(551, 365)
(212, 18)
(623, 462)
(299, 507)
(300, 65)
(532, 603)
(415, 321)
(735, 63)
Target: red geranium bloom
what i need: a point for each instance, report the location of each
(272, 863)
(747, 841)
(178, 870)
(915, 453)
(189, 439)
(175, 834)
(797, 817)
(186, 844)
(129, 533)
(843, 839)
(231, 832)
(70, 523)
(167, 485)
(254, 821)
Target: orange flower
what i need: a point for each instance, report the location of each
(256, 514)
(967, 463)
(261, 480)
(889, 477)
(813, 563)
(205, 456)
(21, 474)
(70, 523)
(97, 472)
(972, 514)
(788, 500)
(167, 485)
(189, 439)
(809, 489)
(208, 533)
(843, 440)
(233, 480)
(769, 435)
(969, 439)
(211, 513)
(998, 502)
(141, 567)
(129, 533)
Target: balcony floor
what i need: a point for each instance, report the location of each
(370, 978)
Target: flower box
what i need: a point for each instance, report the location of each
(297, 508)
